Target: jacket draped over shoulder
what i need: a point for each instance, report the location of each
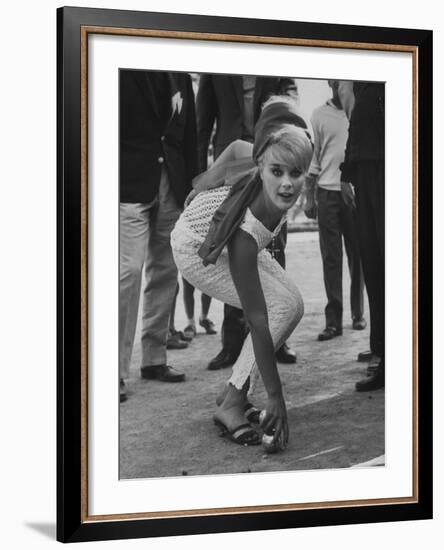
(229, 215)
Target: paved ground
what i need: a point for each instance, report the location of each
(167, 429)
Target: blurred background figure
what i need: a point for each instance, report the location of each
(204, 321)
(158, 160)
(334, 205)
(364, 167)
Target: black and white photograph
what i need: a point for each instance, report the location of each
(251, 274)
(244, 321)
(221, 266)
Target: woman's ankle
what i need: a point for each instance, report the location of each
(233, 397)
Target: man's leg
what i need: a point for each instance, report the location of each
(369, 191)
(233, 334)
(351, 242)
(234, 330)
(133, 238)
(160, 284)
(330, 241)
(370, 217)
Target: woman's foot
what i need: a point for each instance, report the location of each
(233, 425)
(208, 325)
(190, 331)
(230, 417)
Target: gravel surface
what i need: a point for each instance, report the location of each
(167, 429)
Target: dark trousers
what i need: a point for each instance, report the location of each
(368, 181)
(234, 327)
(337, 219)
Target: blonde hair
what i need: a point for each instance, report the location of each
(289, 145)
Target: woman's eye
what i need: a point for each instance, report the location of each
(276, 172)
(295, 173)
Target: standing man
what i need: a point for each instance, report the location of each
(158, 159)
(334, 204)
(233, 103)
(364, 166)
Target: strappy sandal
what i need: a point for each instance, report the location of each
(242, 435)
(189, 332)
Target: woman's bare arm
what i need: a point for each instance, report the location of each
(242, 250)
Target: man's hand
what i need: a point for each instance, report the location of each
(310, 203)
(348, 194)
(311, 207)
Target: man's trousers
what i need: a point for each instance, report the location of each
(337, 220)
(145, 243)
(368, 181)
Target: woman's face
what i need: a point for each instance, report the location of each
(282, 183)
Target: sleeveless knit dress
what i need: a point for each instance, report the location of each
(283, 299)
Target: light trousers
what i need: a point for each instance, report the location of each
(145, 243)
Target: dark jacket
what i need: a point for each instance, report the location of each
(367, 123)
(229, 216)
(220, 99)
(147, 142)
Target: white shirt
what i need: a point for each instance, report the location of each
(330, 128)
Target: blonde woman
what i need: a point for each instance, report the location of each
(218, 245)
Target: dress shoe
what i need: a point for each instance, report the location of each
(222, 360)
(285, 355)
(373, 365)
(164, 373)
(174, 341)
(373, 382)
(365, 356)
(329, 333)
(359, 324)
(123, 396)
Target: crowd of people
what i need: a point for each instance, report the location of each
(206, 182)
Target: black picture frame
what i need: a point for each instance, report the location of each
(73, 522)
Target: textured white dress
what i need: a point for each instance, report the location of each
(283, 299)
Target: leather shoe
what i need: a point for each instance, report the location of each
(373, 382)
(359, 324)
(174, 341)
(365, 356)
(222, 360)
(373, 365)
(329, 333)
(123, 396)
(164, 373)
(285, 354)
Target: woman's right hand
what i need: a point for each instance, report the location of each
(275, 420)
(191, 195)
